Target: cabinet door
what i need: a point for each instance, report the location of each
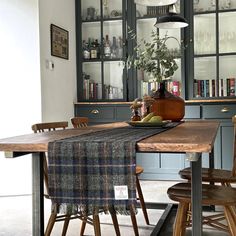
(214, 50)
(145, 20)
(100, 50)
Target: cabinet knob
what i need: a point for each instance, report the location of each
(225, 110)
(95, 111)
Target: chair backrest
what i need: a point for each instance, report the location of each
(42, 127)
(79, 121)
(234, 147)
(46, 127)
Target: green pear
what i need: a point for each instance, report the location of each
(156, 119)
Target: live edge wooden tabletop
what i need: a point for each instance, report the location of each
(190, 136)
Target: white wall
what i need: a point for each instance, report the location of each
(24, 99)
(20, 103)
(58, 85)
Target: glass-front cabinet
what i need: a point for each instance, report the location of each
(214, 49)
(100, 50)
(103, 45)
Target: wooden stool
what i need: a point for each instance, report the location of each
(211, 195)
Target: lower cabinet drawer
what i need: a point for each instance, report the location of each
(218, 111)
(97, 114)
(192, 112)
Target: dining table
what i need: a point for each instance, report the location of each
(192, 137)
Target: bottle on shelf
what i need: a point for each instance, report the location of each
(107, 47)
(93, 50)
(119, 48)
(114, 48)
(97, 47)
(105, 9)
(86, 51)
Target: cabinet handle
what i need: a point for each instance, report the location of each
(225, 110)
(95, 111)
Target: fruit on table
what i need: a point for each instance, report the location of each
(147, 117)
(155, 119)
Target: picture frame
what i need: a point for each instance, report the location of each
(59, 42)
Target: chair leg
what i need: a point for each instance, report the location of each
(230, 215)
(96, 225)
(50, 224)
(65, 225)
(141, 199)
(180, 219)
(134, 222)
(115, 221)
(83, 225)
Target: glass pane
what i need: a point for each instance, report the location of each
(92, 83)
(173, 43)
(91, 30)
(205, 37)
(112, 8)
(204, 5)
(205, 67)
(147, 83)
(113, 80)
(227, 32)
(144, 29)
(113, 40)
(90, 9)
(227, 73)
(227, 4)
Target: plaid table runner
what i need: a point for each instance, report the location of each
(83, 170)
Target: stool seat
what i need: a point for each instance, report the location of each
(211, 195)
(211, 175)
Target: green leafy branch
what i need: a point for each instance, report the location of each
(153, 57)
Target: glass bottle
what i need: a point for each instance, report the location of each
(93, 50)
(97, 46)
(120, 48)
(86, 52)
(107, 47)
(114, 48)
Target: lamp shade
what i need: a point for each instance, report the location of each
(171, 21)
(155, 2)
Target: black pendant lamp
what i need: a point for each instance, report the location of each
(172, 20)
(155, 2)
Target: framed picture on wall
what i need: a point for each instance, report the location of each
(59, 42)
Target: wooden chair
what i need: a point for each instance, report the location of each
(83, 122)
(46, 127)
(224, 177)
(211, 195)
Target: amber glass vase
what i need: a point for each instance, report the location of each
(167, 105)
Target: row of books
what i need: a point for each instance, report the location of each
(173, 87)
(93, 91)
(215, 88)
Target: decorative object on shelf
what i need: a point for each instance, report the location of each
(157, 61)
(116, 13)
(59, 42)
